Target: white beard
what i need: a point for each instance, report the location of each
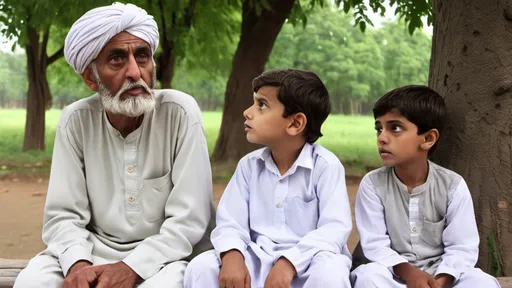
(131, 107)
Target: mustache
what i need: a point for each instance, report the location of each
(133, 85)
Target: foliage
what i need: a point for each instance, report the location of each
(18, 15)
(354, 66)
(411, 11)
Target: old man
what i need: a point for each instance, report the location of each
(130, 196)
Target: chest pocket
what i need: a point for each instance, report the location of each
(432, 232)
(155, 193)
(301, 216)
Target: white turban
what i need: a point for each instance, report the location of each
(94, 29)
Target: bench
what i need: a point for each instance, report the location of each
(9, 269)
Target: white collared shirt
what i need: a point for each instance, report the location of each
(294, 215)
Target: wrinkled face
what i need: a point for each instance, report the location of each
(397, 139)
(265, 124)
(124, 72)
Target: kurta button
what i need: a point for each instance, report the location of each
(414, 229)
(279, 205)
(130, 169)
(131, 199)
(281, 181)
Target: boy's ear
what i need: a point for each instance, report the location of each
(297, 124)
(429, 139)
(89, 80)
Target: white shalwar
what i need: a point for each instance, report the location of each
(303, 215)
(144, 199)
(433, 228)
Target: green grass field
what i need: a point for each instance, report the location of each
(351, 138)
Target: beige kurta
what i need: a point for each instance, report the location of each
(145, 199)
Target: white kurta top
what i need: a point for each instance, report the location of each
(145, 199)
(432, 228)
(295, 215)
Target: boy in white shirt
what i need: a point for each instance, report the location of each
(284, 218)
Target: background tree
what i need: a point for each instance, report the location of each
(406, 57)
(201, 29)
(30, 22)
(471, 67)
(65, 84)
(13, 80)
(337, 51)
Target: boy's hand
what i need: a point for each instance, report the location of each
(234, 273)
(445, 280)
(415, 278)
(281, 275)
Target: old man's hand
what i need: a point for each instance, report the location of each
(117, 275)
(79, 276)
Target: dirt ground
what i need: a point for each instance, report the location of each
(21, 214)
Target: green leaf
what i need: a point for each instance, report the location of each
(346, 6)
(4, 20)
(412, 27)
(362, 26)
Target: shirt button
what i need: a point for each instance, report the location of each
(281, 181)
(132, 199)
(130, 169)
(279, 205)
(414, 229)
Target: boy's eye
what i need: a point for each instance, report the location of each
(262, 105)
(379, 130)
(396, 128)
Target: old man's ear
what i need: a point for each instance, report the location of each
(89, 79)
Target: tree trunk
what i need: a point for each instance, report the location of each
(259, 32)
(345, 106)
(470, 67)
(166, 63)
(37, 96)
(3, 101)
(170, 33)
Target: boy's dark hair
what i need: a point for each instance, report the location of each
(299, 91)
(419, 104)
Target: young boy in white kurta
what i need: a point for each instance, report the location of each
(284, 218)
(415, 218)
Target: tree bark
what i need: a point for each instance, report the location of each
(171, 32)
(471, 67)
(166, 63)
(38, 95)
(259, 32)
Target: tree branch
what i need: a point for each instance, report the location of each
(189, 13)
(55, 56)
(42, 56)
(164, 30)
